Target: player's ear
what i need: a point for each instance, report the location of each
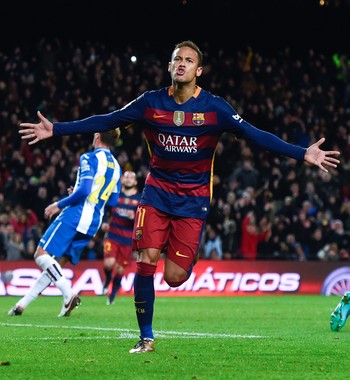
(199, 71)
(169, 67)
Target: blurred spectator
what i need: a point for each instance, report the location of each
(329, 252)
(252, 235)
(340, 238)
(3, 246)
(213, 244)
(246, 175)
(316, 243)
(291, 249)
(15, 245)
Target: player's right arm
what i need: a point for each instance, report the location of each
(45, 129)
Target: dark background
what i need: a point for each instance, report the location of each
(268, 24)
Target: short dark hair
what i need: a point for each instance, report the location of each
(111, 137)
(193, 46)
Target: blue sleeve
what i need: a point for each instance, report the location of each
(271, 142)
(113, 200)
(265, 140)
(81, 192)
(129, 114)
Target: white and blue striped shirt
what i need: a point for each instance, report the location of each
(97, 184)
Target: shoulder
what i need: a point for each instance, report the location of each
(213, 99)
(152, 94)
(86, 156)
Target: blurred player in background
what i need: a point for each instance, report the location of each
(117, 245)
(97, 185)
(182, 124)
(340, 313)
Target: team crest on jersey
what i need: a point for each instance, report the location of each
(138, 234)
(179, 118)
(198, 118)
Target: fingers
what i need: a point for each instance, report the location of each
(331, 165)
(332, 159)
(28, 134)
(332, 153)
(330, 162)
(27, 125)
(41, 117)
(319, 142)
(27, 130)
(323, 168)
(33, 141)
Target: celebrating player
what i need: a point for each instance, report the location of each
(182, 124)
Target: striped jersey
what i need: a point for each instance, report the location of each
(103, 169)
(182, 139)
(122, 219)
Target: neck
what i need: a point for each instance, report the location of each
(129, 191)
(183, 92)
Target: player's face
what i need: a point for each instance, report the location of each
(183, 67)
(129, 179)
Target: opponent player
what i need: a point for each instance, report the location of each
(182, 124)
(97, 185)
(117, 245)
(341, 313)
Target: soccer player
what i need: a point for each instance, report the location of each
(97, 185)
(340, 313)
(182, 124)
(117, 245)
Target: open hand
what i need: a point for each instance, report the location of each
(36, 132)
(321, 158)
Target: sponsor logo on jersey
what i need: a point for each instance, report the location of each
(84, 166)
(175, 143)
(178, 253)
(237, 117)
(155, 116)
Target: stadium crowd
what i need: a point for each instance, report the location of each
(263, 206)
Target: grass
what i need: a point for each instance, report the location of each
(197, 338)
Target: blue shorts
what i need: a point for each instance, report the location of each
(62, 240)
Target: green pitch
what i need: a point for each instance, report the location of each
(266, 337)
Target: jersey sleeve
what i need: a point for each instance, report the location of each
(242, 129)
(129, 114)
(81, 192)
(113, 199)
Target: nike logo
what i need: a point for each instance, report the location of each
(177, 253)
(155, 116)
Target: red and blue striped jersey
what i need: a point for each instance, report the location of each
(182, 139)
(122, 219)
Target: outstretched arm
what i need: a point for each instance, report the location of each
(36, 132)
(321, 158)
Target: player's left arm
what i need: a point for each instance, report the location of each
(312, 155)
(113, 199)
(81, 192)
(266, 140)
